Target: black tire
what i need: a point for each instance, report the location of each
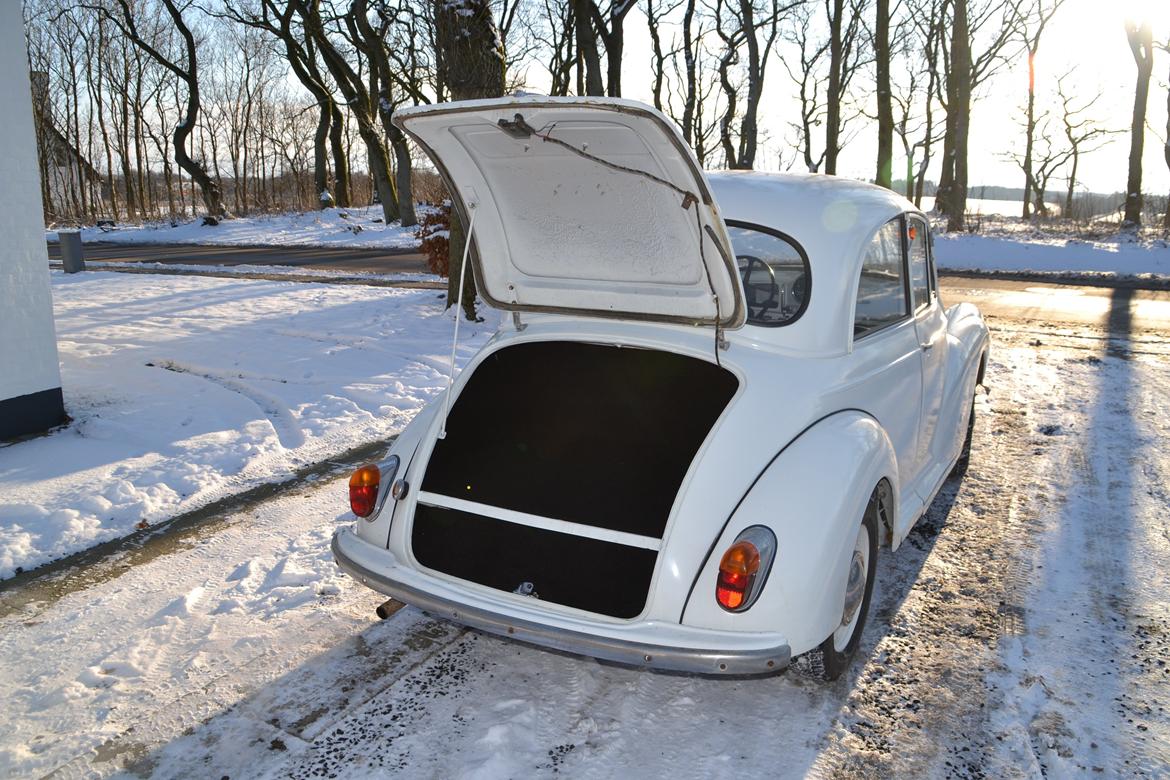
(960, 467)
(826, 661)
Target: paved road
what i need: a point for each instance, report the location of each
(386, 261)
(1123, 311)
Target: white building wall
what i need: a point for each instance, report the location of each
(28, 342)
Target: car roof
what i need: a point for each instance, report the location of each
(833, 219)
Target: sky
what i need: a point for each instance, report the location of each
(1086, 36)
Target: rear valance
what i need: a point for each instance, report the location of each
(589, 206)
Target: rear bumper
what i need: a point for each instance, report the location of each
(641, 643)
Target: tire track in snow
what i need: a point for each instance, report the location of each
(288, 431)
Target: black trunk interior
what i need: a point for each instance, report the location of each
(591, 434)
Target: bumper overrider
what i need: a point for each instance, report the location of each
(682, 648)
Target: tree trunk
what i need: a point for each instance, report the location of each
(690, 66)
(1030, 133)
(1072, 183)
(341, 182)
(587, 46)
(321, 158)
(473, 59)
(885, 151)
(749, 125)
(1141, 44)
(952, 191)
(402, 168)
(1166, 153)
(833, 109)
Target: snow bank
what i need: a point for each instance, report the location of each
(962, 252)
(335, 227)
(186, 389)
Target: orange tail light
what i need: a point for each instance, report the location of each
(737, 570)
(363, 490)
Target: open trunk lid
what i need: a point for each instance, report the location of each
(583, 205)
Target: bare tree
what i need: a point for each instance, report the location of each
(363, 104)
(885, 106)
(593, 25)
(279, 20)
(1083, 134)
(186, 70)
(965, 70)
(1141, 45)
(807, 77)
(1032, 17)
(1043, 158)
(589, 80)
(692, 94)
(1166, 144)
(751, 27)
(471, 52)
(655, 13)
(845, 58)
(919, 34)
(371, 41)
(559, 41)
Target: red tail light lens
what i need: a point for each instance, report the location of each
(737, 571)
(363, 490)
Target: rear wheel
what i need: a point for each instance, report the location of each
(960, 467)
(834, 655)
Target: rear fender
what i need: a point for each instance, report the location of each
(812, 496)
(376, 529)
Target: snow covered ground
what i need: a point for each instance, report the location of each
(1022, 630)
(354, 227)
(1009, 251)
(185, 389)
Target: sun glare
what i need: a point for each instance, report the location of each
(1156, 12)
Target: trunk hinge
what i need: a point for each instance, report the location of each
(516, 323)
(721, 338)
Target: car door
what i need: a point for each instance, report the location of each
(930, 323)
(886, 361)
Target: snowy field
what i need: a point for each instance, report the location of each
(185, 389)
(1008, 251)
(360, 227)
(1022, 630)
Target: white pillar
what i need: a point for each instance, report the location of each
(30, 378)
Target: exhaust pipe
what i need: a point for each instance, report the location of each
(388, 608)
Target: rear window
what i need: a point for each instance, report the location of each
(775, 273)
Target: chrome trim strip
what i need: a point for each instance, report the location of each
(662, 657)
(536, 521)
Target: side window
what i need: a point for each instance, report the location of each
(775, 273)
(881, 293)
(916, 234)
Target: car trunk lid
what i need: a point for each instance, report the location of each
(583, 206)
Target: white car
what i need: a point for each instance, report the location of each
(717, 396)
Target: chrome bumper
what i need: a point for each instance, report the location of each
(756, 660)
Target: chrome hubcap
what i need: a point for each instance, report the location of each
(854, 590)
(854, 587)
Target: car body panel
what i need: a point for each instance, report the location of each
(801, 497)
(820, 420)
